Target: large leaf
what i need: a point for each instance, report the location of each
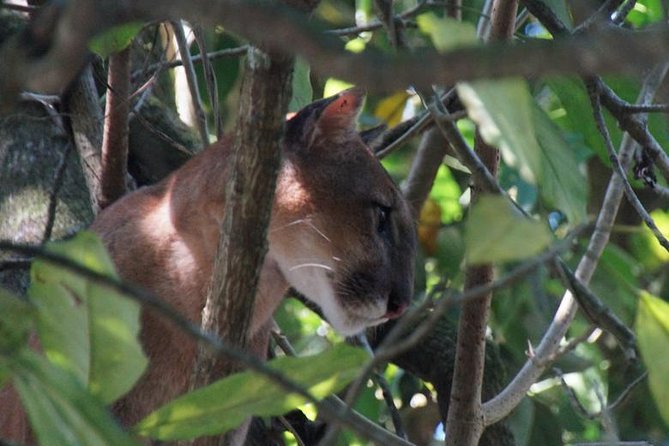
(503, 111)
(652, 328)
(561, 182)
(574, 99)
(496, 232)
(303, 93)
(447, 33)
(114, 39)
(83, 326)
(60, 410)
(225, 404)
(16, 319)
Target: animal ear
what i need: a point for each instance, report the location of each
(334, 116)
(342, 112)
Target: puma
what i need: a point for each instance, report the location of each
(340, 233)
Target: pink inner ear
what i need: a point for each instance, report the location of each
(343, 111)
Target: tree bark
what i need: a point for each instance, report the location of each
(86, 124)
(114, 165)
(465, 423)
(256, 156)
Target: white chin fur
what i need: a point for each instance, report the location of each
(317, 287)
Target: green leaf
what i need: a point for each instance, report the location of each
(496, 232)
(225, 404)
(561, 10)
(561, 182)
(60, 410)
(503, 111)
(446, 191)
(83, 326)
(447, 33)
(574, 99)
(646, 12)
(334, 86)
(115, 39)
(652, 328)
(303, 93)
(646, 247)
(16, 319)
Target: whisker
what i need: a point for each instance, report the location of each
(292, 223)
(313, 265)
(307, 221)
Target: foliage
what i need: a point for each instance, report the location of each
(83, 326)
(652, 326)
(227, 403)
(115, 39)
(88, 332)
(554, 167)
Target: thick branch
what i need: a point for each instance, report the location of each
(86, 122)
(465, 422)
(114, 161)
(256, 20)
(429, 156)
(256, 155)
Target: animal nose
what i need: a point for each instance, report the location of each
(395, 309)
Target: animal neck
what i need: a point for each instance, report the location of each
(195, 195)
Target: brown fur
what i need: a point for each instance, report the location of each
(340, 233)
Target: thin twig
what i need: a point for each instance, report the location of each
(289, 427)
(415, 126)
(288, 349)
(385, 390)
(602, 15)
(184, 53)
(598, 313)
(646, 108)
(619, 16)
(618, 169)
(213, 55)
(210, 79)
(466, 155)
(627, 390)
(573, 399)
(563, 350)
(399, 21)
(635, 126)
(55, 190)
(398, 135)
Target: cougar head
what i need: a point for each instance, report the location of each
(341, 233)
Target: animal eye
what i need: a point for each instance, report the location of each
(382, 218)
